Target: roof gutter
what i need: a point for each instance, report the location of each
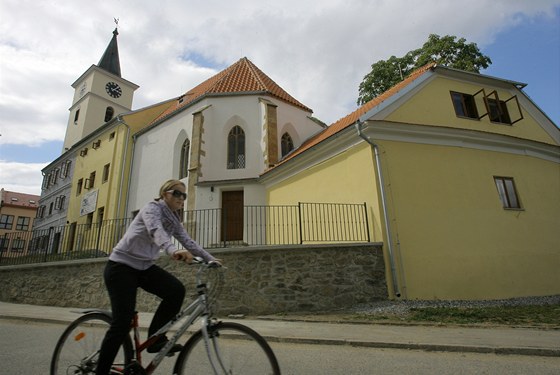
(396, 290)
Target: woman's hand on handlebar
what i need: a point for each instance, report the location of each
(183, 255)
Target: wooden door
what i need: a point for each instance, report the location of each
(232, 216)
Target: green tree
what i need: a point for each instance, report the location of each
(447, 51)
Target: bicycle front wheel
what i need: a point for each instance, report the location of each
(232, 349)
(77, 350)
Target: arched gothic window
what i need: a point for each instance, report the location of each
(287, 144)
(109, 112)
(236, 148)
(184, 166)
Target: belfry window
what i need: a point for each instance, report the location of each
(109, 112)
(76, 116)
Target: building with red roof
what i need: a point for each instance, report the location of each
(17, 213)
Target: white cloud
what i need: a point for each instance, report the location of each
(21, 177)
(318, 51)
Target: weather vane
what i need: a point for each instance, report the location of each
(116, 21)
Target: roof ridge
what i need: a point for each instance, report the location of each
(221, 76)
(243, 77)
(257, 73)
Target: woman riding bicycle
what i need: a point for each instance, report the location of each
(131, 266)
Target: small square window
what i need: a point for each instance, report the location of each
(507, 192)
(464, 105)
(498, 111)
(22, 223)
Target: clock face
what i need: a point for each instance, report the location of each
(113, 89)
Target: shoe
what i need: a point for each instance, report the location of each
(157, 346)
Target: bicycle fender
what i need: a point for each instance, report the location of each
(96, 311)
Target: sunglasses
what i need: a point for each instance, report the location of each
(177, 194)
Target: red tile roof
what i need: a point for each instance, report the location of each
(351, 119)
(243, 77)
(12, 198)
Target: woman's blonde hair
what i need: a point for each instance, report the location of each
(169, 185)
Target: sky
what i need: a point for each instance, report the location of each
(317, 50)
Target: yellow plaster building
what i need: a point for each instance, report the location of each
(461, 175)
(101, 178)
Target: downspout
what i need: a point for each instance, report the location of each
(134, 136)
(121, 120)
(390, 252)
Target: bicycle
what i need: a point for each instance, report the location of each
(216, 348)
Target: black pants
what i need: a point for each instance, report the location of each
(122, 282)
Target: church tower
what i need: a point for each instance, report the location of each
(100, 95)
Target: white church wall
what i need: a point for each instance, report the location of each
(155, 159)
(157, 151)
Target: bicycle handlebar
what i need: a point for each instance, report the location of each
(211, 264)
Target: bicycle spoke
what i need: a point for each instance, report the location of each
(233, 349)
(77, 350)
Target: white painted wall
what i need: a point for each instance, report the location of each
(157, 152)
(155, 159)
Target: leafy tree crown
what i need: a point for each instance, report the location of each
(447, 50)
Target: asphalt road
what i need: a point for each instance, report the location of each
(26, 348)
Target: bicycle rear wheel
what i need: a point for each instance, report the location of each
(233, 348)
(77, 350)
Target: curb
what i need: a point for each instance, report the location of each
(542, 352)
(539, 352)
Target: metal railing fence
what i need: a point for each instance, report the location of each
(211, 228)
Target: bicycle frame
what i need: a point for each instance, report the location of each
(197, 309)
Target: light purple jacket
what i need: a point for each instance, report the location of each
(151, 230)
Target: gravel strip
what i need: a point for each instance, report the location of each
(403, 307)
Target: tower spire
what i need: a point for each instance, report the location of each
(110, 59)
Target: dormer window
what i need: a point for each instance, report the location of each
(109, 112)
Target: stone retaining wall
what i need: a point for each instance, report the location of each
(262, 280)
